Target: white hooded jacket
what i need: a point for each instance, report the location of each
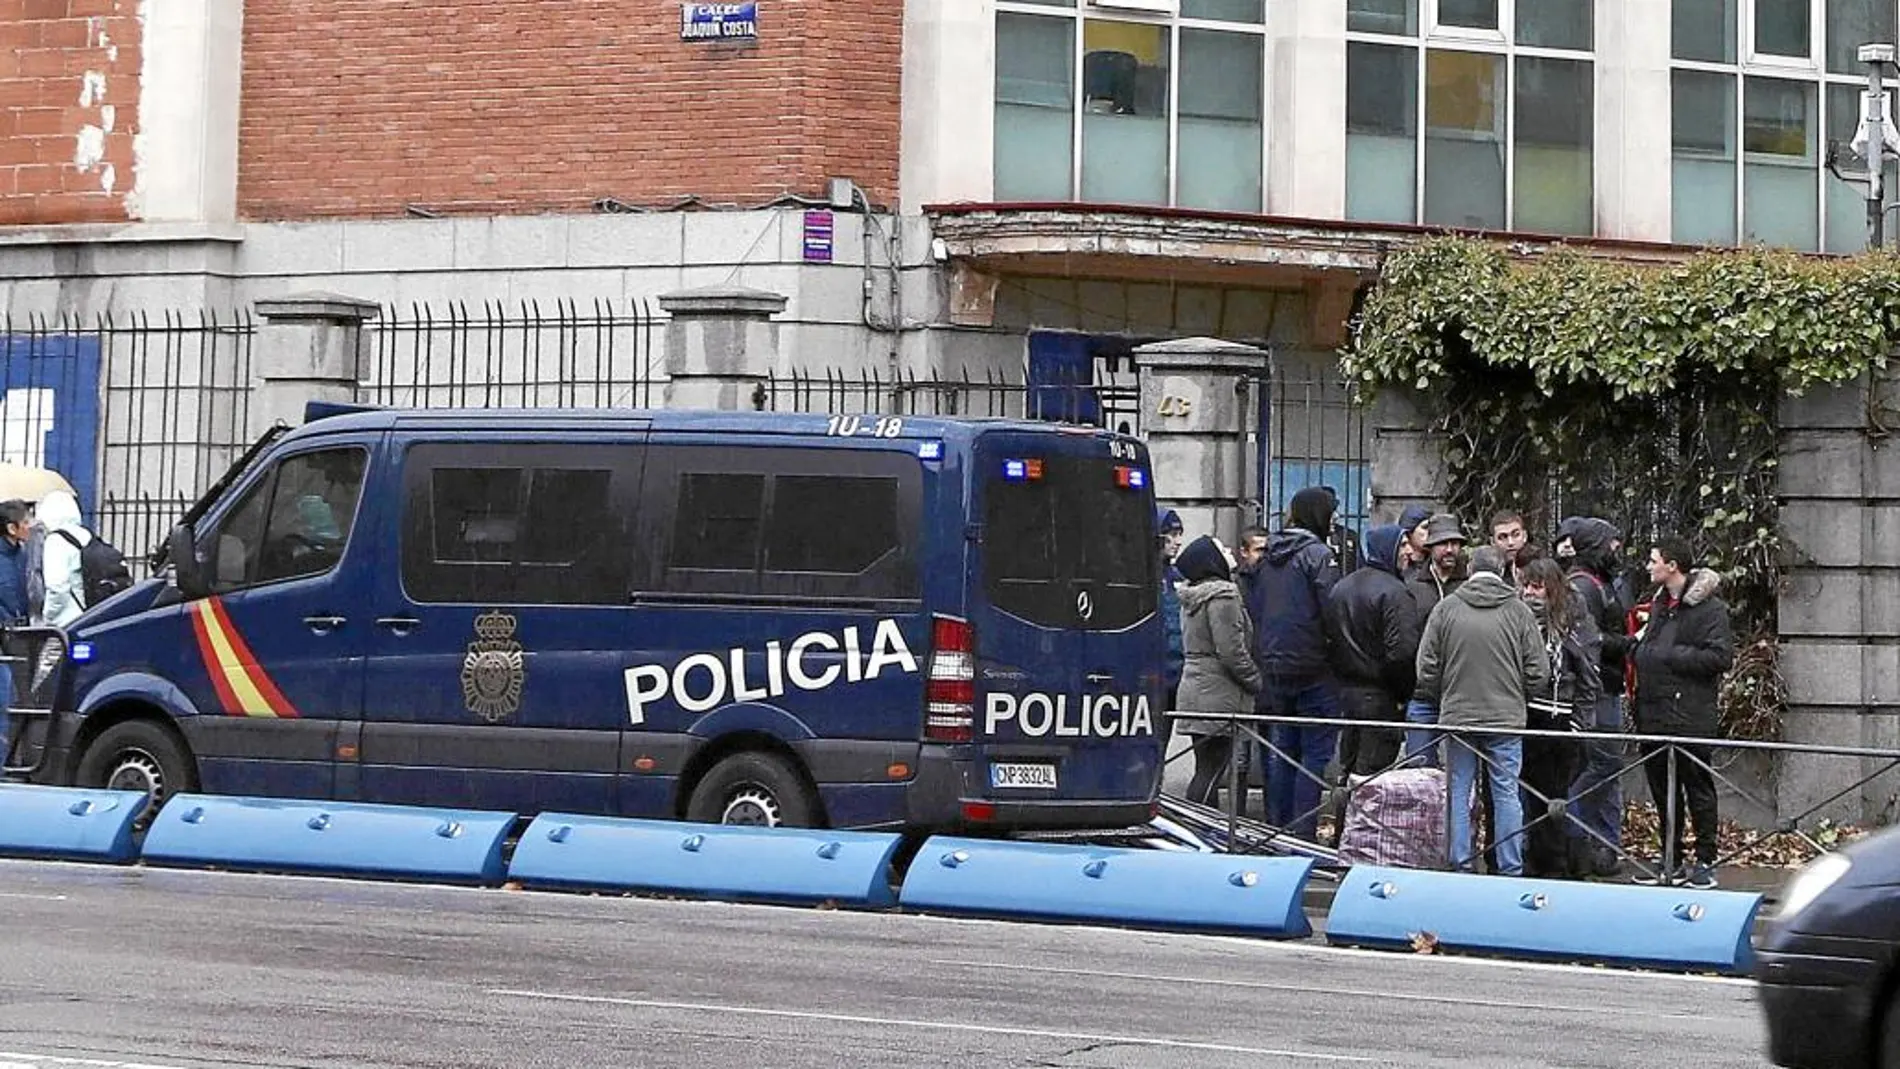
(65, 584)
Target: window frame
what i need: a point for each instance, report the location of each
(423, 456)
(1081, 15)
(893, 581)
(1811, 72)
(1434, 36)
(268, 480)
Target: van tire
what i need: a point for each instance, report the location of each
(753, 788)
(139, 755)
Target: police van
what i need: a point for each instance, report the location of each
(750, 618)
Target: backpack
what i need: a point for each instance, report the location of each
(101, 568)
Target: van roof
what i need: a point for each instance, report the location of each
(321, 417)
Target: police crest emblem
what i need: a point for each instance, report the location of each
(494, 669)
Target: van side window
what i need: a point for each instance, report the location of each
(517, 524)
(293, 522)
(788, 523)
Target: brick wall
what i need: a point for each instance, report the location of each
(69, 87)
(359, 107)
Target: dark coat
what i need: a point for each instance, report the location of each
(1680, 657)
(14, 604)
(1372, 624)
(1592, 577)
(1286, 594)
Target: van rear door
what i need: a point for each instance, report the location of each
(1064, 600)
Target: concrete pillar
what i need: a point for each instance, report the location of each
(1199, 407)
(1306, 123)
(188, 112)
(1633, 135)
(1408, 457)
(310, 347)
(1839, 612)
(721, 345)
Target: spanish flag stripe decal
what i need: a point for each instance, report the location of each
(201, 626)
(274, 701)
(249, 701)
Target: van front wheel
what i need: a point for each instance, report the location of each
(754, 789)
(138, 755)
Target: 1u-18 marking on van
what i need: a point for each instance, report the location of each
(722, 676)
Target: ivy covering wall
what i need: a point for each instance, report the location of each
(1568, 384)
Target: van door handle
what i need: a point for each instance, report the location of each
(401, 625)
(1099, 678)
(323, 625)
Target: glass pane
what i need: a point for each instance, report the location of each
(806, 536)
(1381, 133)
(1852, 23)
(1702, 186)
(718, 522)
(1556, 122)
(1780, 164)
(312, 511)
(1464, 139)
(1782, 28)
(1383, 16)
(1035, 108)
(1124, 113)
(1252, 11)
(1476, 14)
(1557, 24)
(1846, 202)
(1704, 30)
(1222, 97)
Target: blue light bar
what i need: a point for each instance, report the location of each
(930, 450)
(81, 652)
(1015, 470)
(1137, 479)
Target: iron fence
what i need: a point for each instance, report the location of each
(990, 395)
(1668, 760)
(562, 354)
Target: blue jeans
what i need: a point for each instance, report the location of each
(1597, 795)
(1421, 747)
(1292, 797)
(1507, 808)
(6, 700)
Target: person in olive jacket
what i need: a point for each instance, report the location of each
(1218, 673)
(1679, 658)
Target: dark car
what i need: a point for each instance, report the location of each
(1827, 961)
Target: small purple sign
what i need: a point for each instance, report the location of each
(818, 225)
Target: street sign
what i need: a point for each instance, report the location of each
(719, 22)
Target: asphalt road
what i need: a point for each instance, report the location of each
(106, 966)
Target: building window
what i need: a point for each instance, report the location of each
(1503, 94)
(1748, 122)
(1128, 110)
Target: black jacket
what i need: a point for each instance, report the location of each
(1680, 658)
(1592, 578)
(1285, 595)
(1372, 624)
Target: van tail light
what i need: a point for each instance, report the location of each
(950, 683)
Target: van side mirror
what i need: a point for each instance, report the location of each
(181, 547)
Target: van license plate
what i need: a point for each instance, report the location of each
(1037, 776)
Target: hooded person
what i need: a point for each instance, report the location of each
(64, 580)
(1372, 630)
(1480, 660)
(1286, 596)
(1218, 673)
(1596, 796)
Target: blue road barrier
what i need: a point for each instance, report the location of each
(68, 822)
(798, 865)
(1140, 888)
(339, 838)
(1555, 919)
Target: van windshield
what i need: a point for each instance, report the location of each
(1057, 527)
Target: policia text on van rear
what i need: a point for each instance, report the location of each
(749, 618)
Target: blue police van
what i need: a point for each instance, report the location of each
(754, 618)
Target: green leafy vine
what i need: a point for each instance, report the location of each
(1645, 393)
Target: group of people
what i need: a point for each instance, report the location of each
(1419, 628)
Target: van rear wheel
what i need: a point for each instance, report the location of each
(753, 789)
(139, 755)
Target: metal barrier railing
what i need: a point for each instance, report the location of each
(1676, 753)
